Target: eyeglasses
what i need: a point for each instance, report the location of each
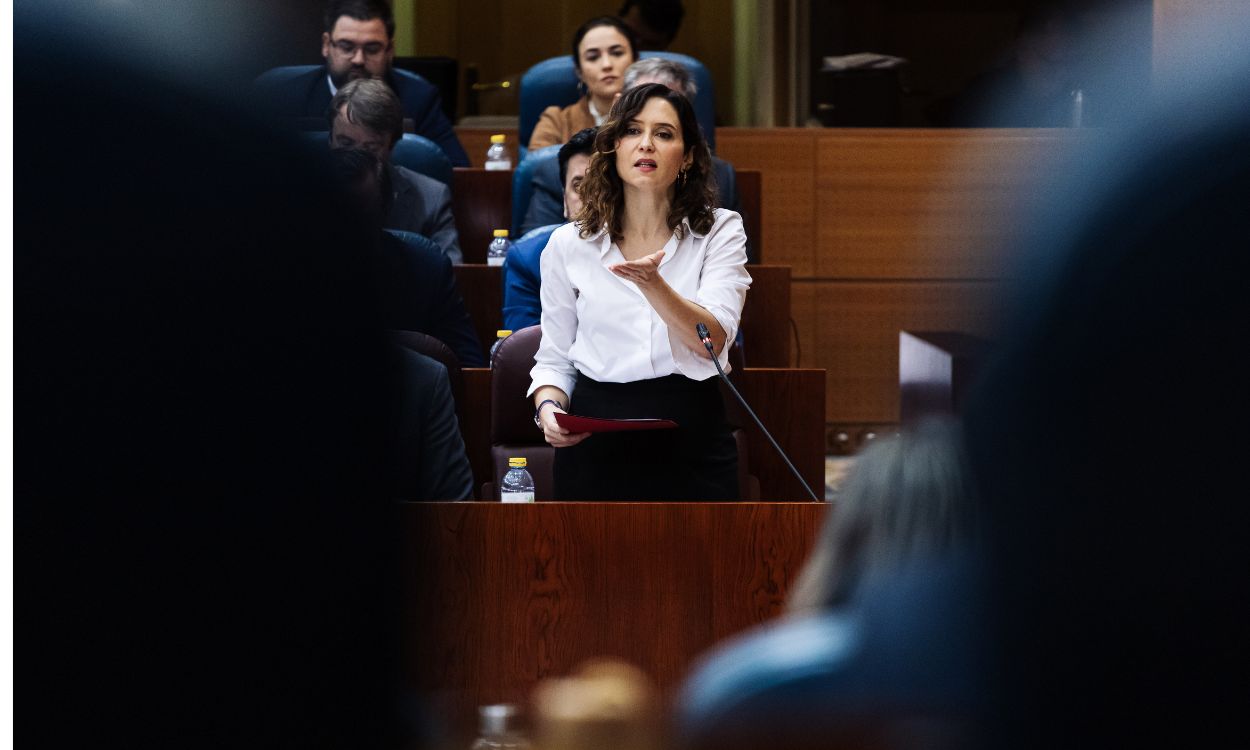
(348, 49)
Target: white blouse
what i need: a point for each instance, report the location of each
(597, 323)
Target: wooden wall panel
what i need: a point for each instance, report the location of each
(786, 157)
(856, 339)
(500, 596)
(925, 204)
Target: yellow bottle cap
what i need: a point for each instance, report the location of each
(501, 232)
(497, 138)
(502, 332)
(516, 463)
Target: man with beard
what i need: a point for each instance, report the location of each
(358, 42)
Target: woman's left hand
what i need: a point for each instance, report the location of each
(644, 272)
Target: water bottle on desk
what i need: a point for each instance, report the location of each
(500, 335)
(499, 247)
(498, 729)
(497, 156)
(518, 485)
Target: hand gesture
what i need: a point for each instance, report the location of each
(644, 272)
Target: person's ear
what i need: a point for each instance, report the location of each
(325, 45)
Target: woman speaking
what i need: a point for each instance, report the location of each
(623, 288)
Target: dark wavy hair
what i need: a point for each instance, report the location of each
(603, 193)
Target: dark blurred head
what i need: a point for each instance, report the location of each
(655, 22)
(1107, 441)
(365, 180)
(367, 115)
(357, 39)
(202, 388)
(907, 503)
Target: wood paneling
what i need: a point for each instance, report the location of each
(856, 336)
(500, 596)
(766, 317)
(922, 204)
(790, 403)
(750, 200)
(786, 158)
(482, 202)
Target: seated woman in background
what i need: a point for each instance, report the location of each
(623, 288)
(907, 500)
(602, 49)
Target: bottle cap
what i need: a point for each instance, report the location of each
(516, 463)
(498, 719)
(501, 232)
(497, 138)
(501, 333)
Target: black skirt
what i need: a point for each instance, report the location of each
(696, 461)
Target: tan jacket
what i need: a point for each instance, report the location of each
(556, 125)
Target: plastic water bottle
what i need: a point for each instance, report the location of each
(518, 485)
(500, 335)
(497, 156)
(499, 247)
(498, 730)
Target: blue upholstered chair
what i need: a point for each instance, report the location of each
(552, 82)
(523, 183)
(904, 655)
(422, 156)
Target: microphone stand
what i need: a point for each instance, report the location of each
(706, 337)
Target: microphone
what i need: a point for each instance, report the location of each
(706, 337)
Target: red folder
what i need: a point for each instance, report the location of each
(576, 424)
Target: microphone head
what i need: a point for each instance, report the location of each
(702, 331)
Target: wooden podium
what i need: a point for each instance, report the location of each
(500, 596)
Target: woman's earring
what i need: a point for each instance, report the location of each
(681, 177)
(581, 88)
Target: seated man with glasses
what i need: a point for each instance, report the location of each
(358, 43)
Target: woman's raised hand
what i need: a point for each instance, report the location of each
(644, 272)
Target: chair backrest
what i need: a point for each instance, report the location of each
(553, 82)
(423, 156)
(422, 343)
(512, 430)
(523, 183)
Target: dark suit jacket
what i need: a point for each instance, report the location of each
(432, 464)
(418, 291)
(547, 204)
(308, 95)
(422, 205)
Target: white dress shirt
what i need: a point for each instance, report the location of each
(599, 324)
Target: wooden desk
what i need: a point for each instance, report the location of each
(790, 402)
(482, 203)
(500, 596)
